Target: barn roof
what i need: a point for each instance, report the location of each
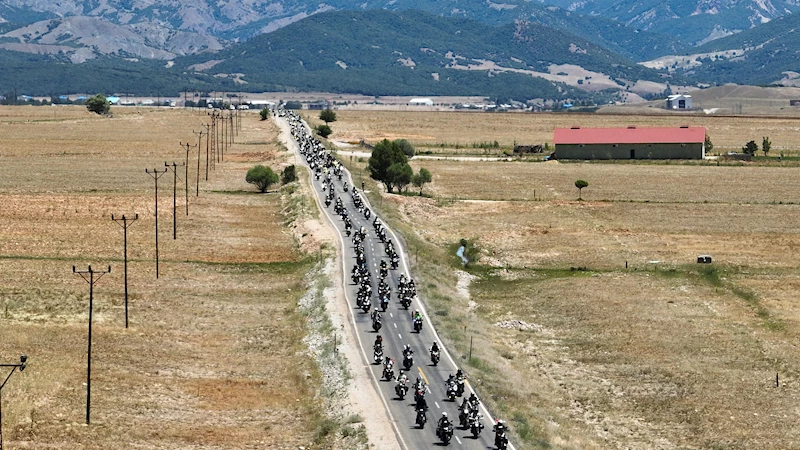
(630, 135)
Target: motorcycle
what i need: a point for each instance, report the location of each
(451, 392)
(435, 358)
(421, 418)
(388, 372)
(401, 390)
(406, 302)
(384, 303)
(459, 387)
(475, 425)
(376, 324)
(377, 355)
(463, 417)
(408, 361)
(500, 438)
(365, 306)
(417, 325)
(501, 441)
(445, 434)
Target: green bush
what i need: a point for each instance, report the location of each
(262, 177)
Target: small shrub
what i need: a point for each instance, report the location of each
(288, 175)
(323, 130)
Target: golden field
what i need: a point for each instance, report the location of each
(589, 324)
(214, 356)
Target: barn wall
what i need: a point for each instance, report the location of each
(623, 151)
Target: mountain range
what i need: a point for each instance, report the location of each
(562, 47)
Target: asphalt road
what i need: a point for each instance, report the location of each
(397, 331)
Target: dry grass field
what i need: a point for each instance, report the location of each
(214, 357)
(442, 132)
(575, 349)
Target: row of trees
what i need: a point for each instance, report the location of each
(389, 165)
(751, 147)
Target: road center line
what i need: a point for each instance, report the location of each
(437, 405)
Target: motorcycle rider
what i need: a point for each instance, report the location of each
(422, 404)
(407, 352)
(378, 343)
(435, 348)
(500, 429)
(473, 401)
(375, 315)
(444, 421)
(402, 378)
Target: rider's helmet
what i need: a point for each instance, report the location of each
(444, 414)
(376, 309)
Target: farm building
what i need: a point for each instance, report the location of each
(421, 101)
(630, 143)
(679, 101)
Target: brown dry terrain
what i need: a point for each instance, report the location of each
(573, 348)
(214, 357)
(464, 132)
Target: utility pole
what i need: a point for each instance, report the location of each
(222, 136)
(214, 144)
(156, 174)
(21, 366)
(231, 127)
(125, 222)
(186, 179)
(197, 178)
(91, 280)
(208, 133)
(174, 166)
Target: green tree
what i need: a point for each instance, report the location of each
(323, 130)
(406, 147)
(419, 179)
(98, 104)
(399, 175)
(288, 175)
(384, 155)
(264, 113)
(709, 145)
(766, 144)
(750, 148)
(580, 184)
(262, 177)
(327, 116)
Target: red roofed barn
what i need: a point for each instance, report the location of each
(630, 143)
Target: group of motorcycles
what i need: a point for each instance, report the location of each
(325, 167)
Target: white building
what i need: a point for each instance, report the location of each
(421, 101)
(679, 101)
